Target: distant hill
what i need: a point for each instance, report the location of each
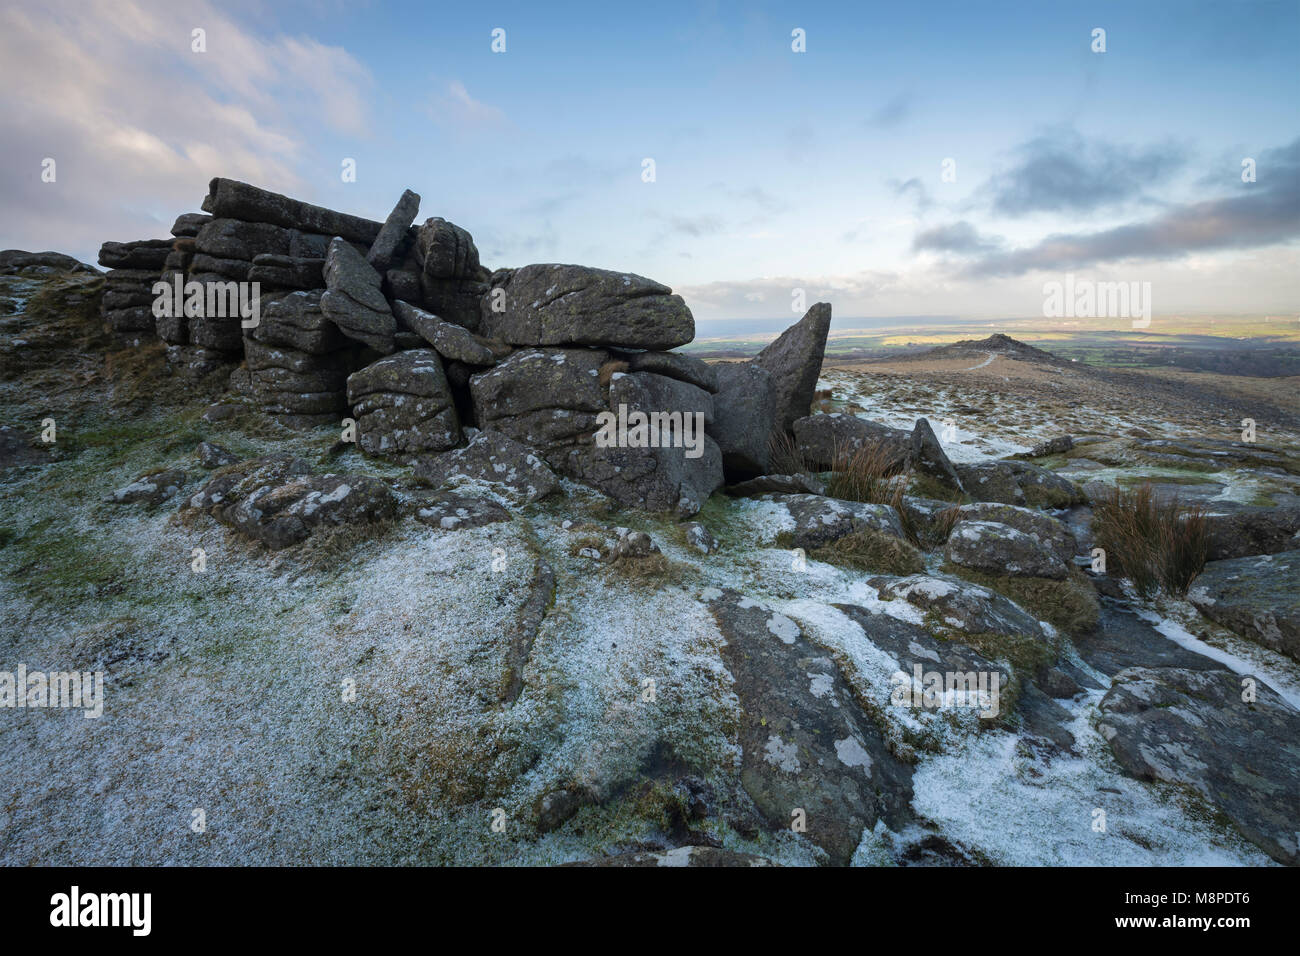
(997, 344)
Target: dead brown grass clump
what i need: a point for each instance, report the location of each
(785, 455)
(1158, 545)
(823, 401)
(609, 370)
(867, 473)
(870, 474)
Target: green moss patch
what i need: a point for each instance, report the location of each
(870, 550)
(1070, 605)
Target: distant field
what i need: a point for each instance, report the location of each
(1232, 345)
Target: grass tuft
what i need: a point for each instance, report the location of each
(1157, 545)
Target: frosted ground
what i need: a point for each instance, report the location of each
(225, 695)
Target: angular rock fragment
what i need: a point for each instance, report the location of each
(152, 487)
(143, 254)
(451, 341)
(1251, 531)
(353, 300)
(927, 458)
(393, 233)
(455, 512)
(699, 538)
(1046, 529)
(823, 438)
(1018, 483)
(684, 368)
(995, 548)
(794, 361)
(777, 485)
(188, 224)
(213, 456)
(820, 521)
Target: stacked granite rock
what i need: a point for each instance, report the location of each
(587, 341)
(296, 360)
(173, 327)
(133, 268)
(401, 328)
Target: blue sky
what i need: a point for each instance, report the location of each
(774, 170)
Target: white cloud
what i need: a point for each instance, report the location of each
(456, 110)
(138, 123)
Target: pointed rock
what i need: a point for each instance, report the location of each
(795, 362)
(385, 246)
(928, 457)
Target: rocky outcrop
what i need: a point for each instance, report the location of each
(298, 361)
(279, 502)
(577, 305)
(1250, 531)
(961, 606)
(1018, 483)
(1257, 598)
(547, 398)
(403, 406)
(1230, 738)
(133, 267)
(20, 262)
(820, 521)
(677, 471)
(1043, 528)
(554, 399)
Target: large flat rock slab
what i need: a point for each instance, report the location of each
(1230, 738)
(806, 744)
(1257, 598)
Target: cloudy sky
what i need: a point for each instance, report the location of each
(773, 170)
